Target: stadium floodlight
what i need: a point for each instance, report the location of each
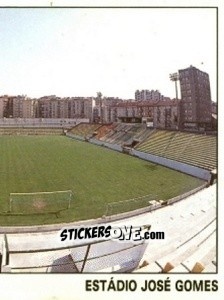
(175, 77)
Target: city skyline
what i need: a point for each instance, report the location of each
(78, 52)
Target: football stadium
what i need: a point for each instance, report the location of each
(89, 174)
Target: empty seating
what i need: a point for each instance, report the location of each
(84, 129)
(30, 131)
(191, 238)
(194, 149)
(122, 133)
(189, 244)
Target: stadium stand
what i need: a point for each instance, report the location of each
(189, 225)
(59, 257)
(190, 148)
(103, 130)
(84, 129)
(189, 244)
(41, 122)
(30, 131)
(192, 248)
(125, 134)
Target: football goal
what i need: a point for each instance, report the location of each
(118, 207)
(40, 202)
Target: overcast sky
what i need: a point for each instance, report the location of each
(78, 52)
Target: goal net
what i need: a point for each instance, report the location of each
(40, 202)
(118, 207)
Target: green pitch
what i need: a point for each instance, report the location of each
(96, 176)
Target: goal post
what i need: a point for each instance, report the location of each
(40, 202)
(117, 207)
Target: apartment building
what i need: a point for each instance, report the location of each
(102, 109)
(6, 106)
(55, 107)
(195, 104)
(22, 107)
(193, 111)
(163, 113)
(28, 108)
(3, 103)
(80, 107)
(145, 95)
(128, 112)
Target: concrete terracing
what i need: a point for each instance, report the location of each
(189, 245)
(191, 236)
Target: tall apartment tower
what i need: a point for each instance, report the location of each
(195, 105)
(145, 95)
